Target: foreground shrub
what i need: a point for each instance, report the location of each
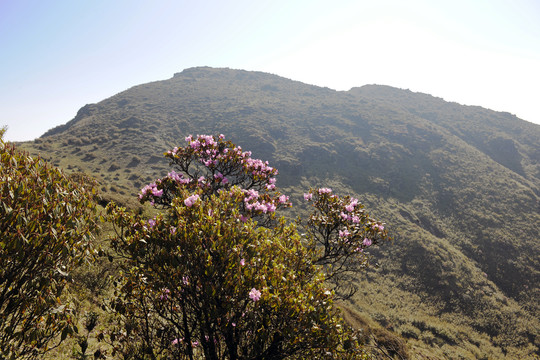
(46, 226)
(217, 275)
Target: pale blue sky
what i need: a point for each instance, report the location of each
(58, 55)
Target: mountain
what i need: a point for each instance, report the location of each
(459, 187)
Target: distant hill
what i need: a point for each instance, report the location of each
(458, 185)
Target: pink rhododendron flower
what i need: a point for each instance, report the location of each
(147, 188)
(191, 200)
(270, 207)
(367, 242)
(251, 195)
(151, 223)
(175, 176)
(377, 226)
(242, 262)
(325, 191)
(165, 294)
(344, 233)
(254, 294)
(260, 207)
(308, 196)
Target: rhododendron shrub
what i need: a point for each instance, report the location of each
(218, 275)
(205, 283)
(47, 221)
(340, 232)
(208, 165)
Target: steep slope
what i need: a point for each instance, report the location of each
(460, 187)
(508, 140)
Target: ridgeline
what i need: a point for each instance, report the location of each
(458, 185)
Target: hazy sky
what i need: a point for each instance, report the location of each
(58, 55)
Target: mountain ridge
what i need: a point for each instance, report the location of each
(459, 186)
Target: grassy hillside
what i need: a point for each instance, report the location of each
(459, 187)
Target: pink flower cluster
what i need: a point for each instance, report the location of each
(165, 294)
(175, 342)
(151, 189)
(202, 141)
(348, 217)
(155, 190)
(190, 201)
(350, 207)
(205, 147)
(220, 178)
(254, 294)
(201, 182)
(354, 228)
(210, 151)
(283, 199)
(252, 202)
(257, 167)
(179, 178)
(218, 158)
(271, 184)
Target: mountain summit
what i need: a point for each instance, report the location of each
(459, 185)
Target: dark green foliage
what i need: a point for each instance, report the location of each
(186, 296)
(46, 225)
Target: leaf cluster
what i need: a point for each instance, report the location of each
(47, 221)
